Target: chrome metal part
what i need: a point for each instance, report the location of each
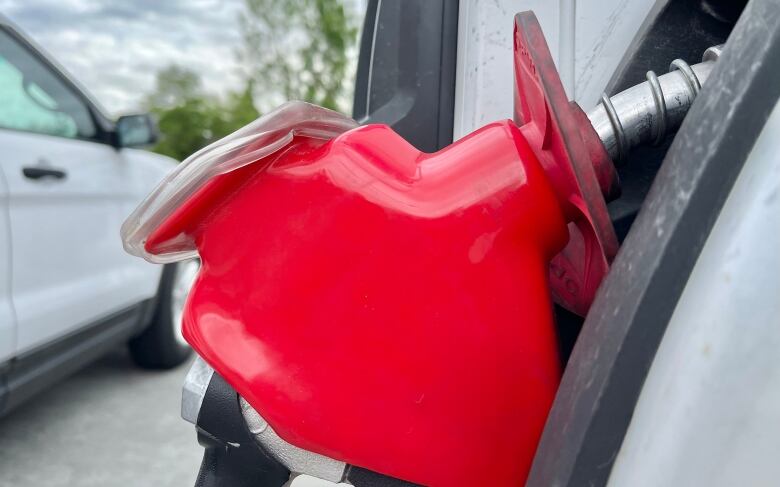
(660, 107)
(194, 390)
(621, 144)
(297, 460)
(690, 76)
(647, 112)
(183, 279)
(712, 53)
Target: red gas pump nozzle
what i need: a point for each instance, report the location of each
(387, 308)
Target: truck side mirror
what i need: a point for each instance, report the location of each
(136, 130)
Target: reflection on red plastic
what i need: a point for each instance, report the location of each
(382, 306)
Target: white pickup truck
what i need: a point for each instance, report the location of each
(68, 177)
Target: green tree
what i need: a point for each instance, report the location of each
(299, 50)
(236, 111)
(189, 119)
(174, 86)
(292, 49)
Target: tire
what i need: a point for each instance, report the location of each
(161, 346)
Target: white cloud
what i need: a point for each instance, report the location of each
(114, 48)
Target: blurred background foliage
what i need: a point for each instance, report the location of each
(292, 50)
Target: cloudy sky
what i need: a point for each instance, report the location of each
(115, 47)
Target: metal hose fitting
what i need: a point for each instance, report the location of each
(647, 112)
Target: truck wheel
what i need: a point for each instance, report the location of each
(161, 345)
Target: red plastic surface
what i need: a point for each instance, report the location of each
(382, 306)
(576, 162)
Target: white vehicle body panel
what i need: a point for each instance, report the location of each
(7, 319)
(62, 264)
(587, 38)
(68, 265)
(709, 411)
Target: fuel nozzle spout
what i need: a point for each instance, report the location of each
(647, 112)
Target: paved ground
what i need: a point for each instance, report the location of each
(112, 424)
